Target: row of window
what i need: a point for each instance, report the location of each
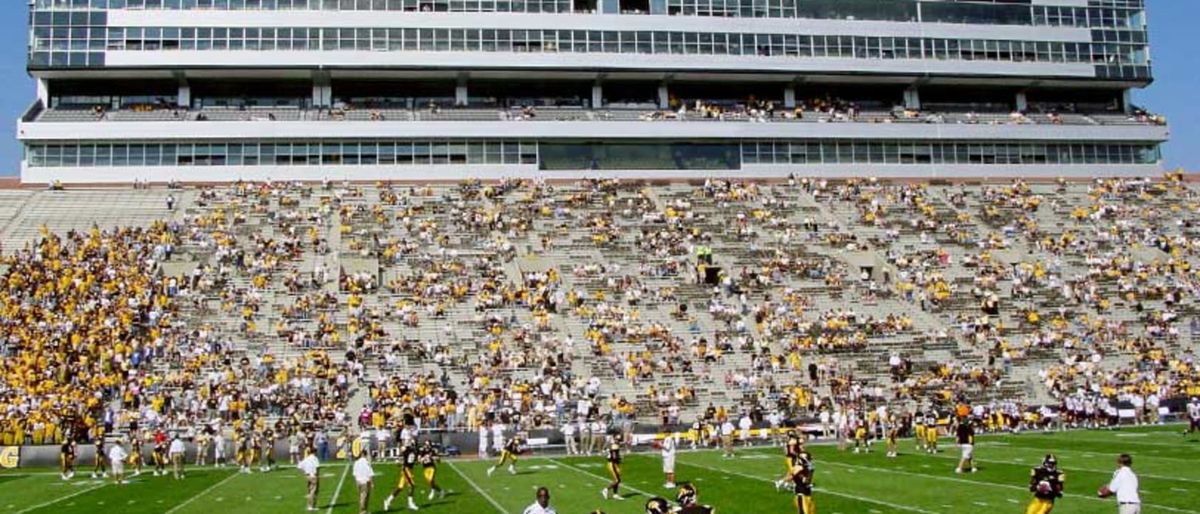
(581, 41)
(894, 10)
(569, 155)
(284, 154)
(874, 152)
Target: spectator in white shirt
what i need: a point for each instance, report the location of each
(1124, 486)
(309, 466)
(568, 431)
(744, 424)
(116, 457)
(364, 476)
(542, 505)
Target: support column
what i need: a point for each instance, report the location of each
(184, 99)
(1127, 101)
(460, 92)
(322, 95)
(1022, 102)
(912, 99)
(664, 97)
(597, 96)
(43, 92)
(789, 97)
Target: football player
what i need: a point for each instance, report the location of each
(66, 457)
(893, 435)
(135, 452)
(792, 450)
(859, 427)
(266, 453)
(658, 506)
(429, 461)
(1046, 484)
(1193, 410)
(100, 460)
(801, 477)
(931, 431)
(407, 483)
(686, 496)
(160, 453)
(508, 454)
(919, 430)
(965, 434)
(614, 470)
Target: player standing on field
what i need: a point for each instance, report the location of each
(1193, 410)
(965, 435)
(614, 470)
(408, 481)
(1046, 484)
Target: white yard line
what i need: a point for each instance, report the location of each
(606, 480)
(985, 484)
(1075, 468)
(856, 497)
(478, 489)
(338, 490)
(202, 493)
(67, 497)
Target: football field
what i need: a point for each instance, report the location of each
(846, 483)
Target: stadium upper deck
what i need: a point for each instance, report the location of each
(430, 89)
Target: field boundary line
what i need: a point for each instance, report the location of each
(64, 498)
(593, 475)
(986, 484)
(476, 487)
(202, 493)
(338, 490)
(821, 489)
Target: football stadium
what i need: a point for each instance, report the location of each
(596, 257)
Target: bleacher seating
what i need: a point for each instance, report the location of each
(527, 290)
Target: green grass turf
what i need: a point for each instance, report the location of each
(847, 483)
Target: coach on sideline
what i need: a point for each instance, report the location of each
(542, 505)
(310, 467)
(1125, 486)
(364, 476)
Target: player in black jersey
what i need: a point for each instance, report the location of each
(687, 497)
(658, 506)
(965, 436)
(801, 477)
(1046, 484)
(408, 481)
(135, 452)
(100, 459)
(614, 470)
(266, 453)
(792, 451)
(508, 454)
(66, 458)
(428, 456)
